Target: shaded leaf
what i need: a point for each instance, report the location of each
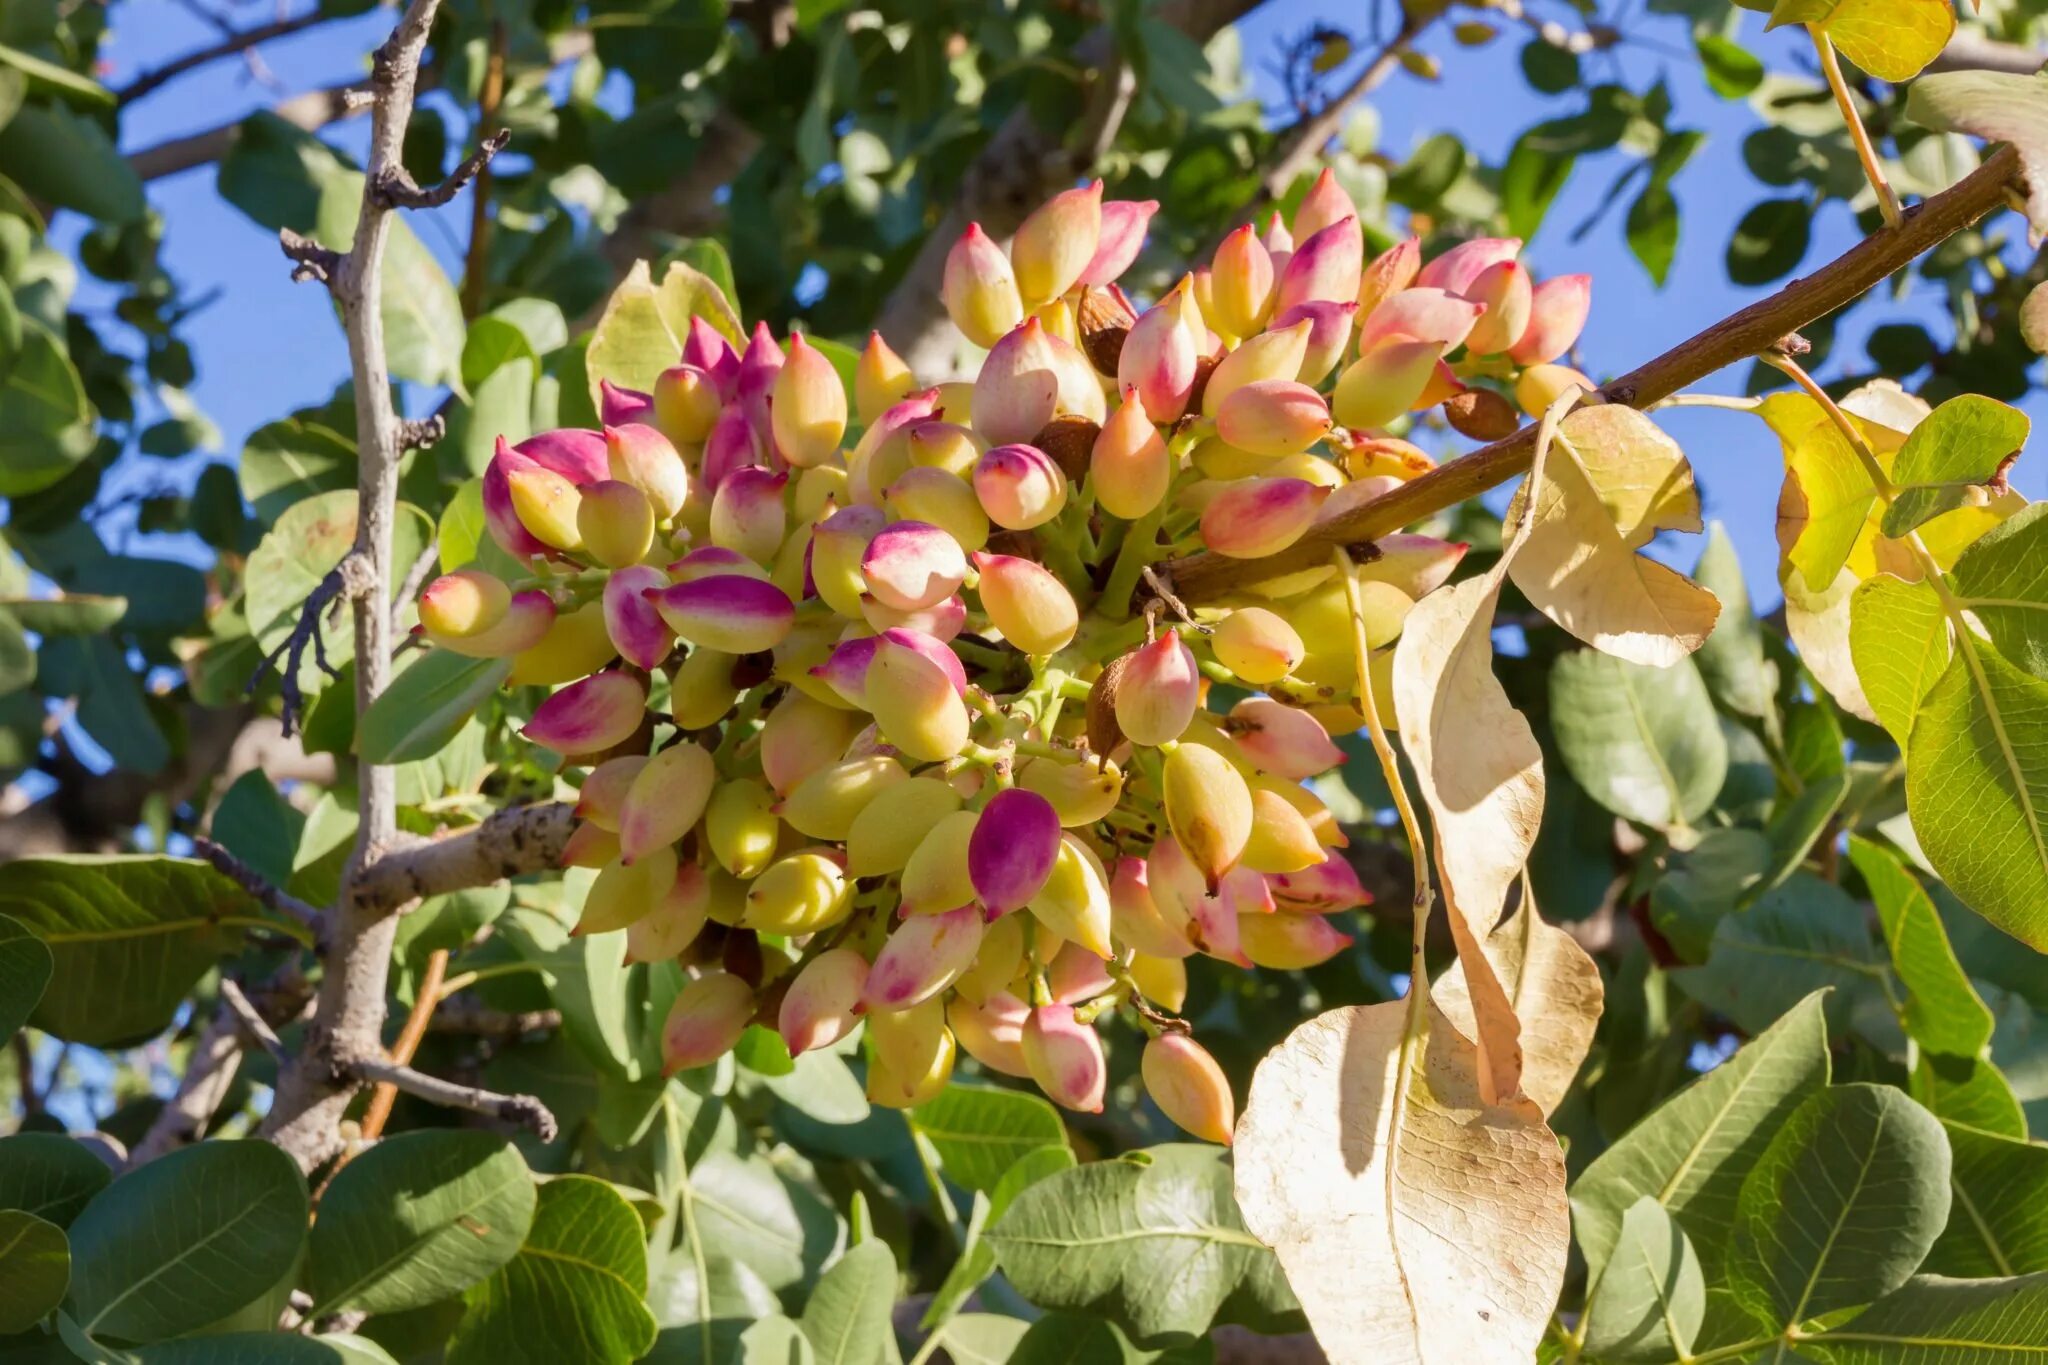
(1841, 1208)
(1641, 741)
(846, 1318)
(980, 1132)
(1151, 1240)
(1968, 1091)
(575, 1290)
(1651, 1298)
(25, 970)
(49, 1175)
(426, 705)
(1694, 1151)
(1794, 940)
(222, 1218)
(1998, 107)
(35, 1268)
(1731, 658)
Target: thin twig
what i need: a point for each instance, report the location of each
(311, 261)
(461, 1014)
(1299, 146)
(1866, 152)
(425, 998)
(397, 188)
(1204, 577)
(25, 1079)
(525, 1110)
(267, 893)
(240, 42)
(418, 433)
(252, 1024)
(415, 578)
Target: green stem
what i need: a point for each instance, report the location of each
(1141, 548)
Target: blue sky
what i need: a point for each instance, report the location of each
(266, 345)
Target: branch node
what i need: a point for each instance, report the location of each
(251, 1023)
(312, 261)
(397, 189)
(417, 433)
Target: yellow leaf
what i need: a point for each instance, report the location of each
(1891, 39)
(1614, 481)
(1556, 992)
(1416, 1222)
(687, 292)
(1819, 625)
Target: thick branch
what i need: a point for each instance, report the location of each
(510, 843)
(211, 1065)
(1020, 166)
(314, 1091)
(311, 111)
(150, 81)
(524, 1110)
(1205, 577)
(1975, 52)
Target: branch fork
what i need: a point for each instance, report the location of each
(524, 1110)
(396, 188)
(311, 261)
(350, 580)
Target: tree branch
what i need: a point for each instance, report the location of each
(1975, 52)
(525, 1110)
(1204, 577)
(398, 189)
(211, 1066)
(511, 843)
(267, 894)
(314, 1090)
(345, 582)
(150, 81)
(1020, 166)
(252, 1025)
(1300, 145)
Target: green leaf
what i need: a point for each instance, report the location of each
(702, 1309)
(289, 461)
(1998, 1222)
(423, 326)
(1652, 230)
(1704, 885)
(111, 704)
(25, 968)
(756, 1214)
(35, 1267)
(1977, 797)
(1890, 39)
(153, 924)
(708, 257)
(1651, 1297)
(222, 1219)
(49, 1175)
(1955, 451)
(417, 716)
(1968, 1091)
(1770, 241)
(775, 1340)
(846, 1319)
(2003, 579)
(1796, 825)
(309, 539)
(46, 424)
(1932, 1321)
(1694, 1151)
(417, 1219)
(821, 1086)
(1998, 107)
(1641, 741)
(61, 81)
(71, 613)
(256, 824)
(1732, 71)
(267, 1348)
(977, 1260)
(1842, 1207)
(1899, 642)
(1151, 1240)
(641, 332)
(573, 1292)
(1077, 1339)
(1795, 940)
(985, 1339)
(1732, 660)
(67, 159)
(980, 1132)
(1943, 1012)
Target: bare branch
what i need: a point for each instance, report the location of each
(1299, 146)
(314, 1091)
(461, 1014)
(397, 189)
(210, 1069)
(234, 44)
(524, 1110)
(511, 843)
(344, 582)
(252, 1025)
(415, 577)
(1205, 577)
(269, 895)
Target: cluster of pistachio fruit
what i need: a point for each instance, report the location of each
(870, 735)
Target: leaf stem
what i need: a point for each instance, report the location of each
(1866, 152)
(1140, 548)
